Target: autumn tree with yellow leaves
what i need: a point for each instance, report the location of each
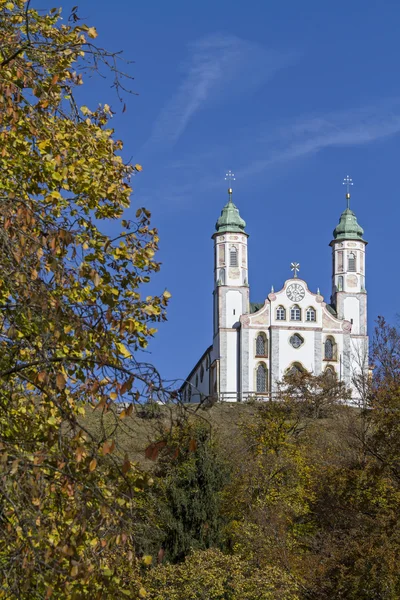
(72, 316)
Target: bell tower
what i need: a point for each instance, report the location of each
(349, 294)
(231, 294)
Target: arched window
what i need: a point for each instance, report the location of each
(295, 369)
(222, 276)
(261, 345)
(330, 373)
(329, 349)
(280, 314)
(233, 257)
(295, 313)
(189, 392)
(261, 378)
(197, 381)
(311, 315)
(201, 373)
(340, 283)
(352, 262)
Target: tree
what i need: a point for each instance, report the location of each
(72, 316)
(315, 395)
(211, 575)
(189, 478)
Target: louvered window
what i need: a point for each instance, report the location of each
(233, 254)
(352, 262)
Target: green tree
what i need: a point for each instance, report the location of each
(189, 476)
(72, 316)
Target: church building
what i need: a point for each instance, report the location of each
(255, 344)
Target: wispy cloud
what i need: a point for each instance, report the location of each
(214, 63)
(310, 135)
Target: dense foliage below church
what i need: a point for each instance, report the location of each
(296, 499)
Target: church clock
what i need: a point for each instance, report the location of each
(295, 292)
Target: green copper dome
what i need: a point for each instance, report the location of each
(348, 227)
(230, 219)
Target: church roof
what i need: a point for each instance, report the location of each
(255, 306)
(230, 219)
(348, 227)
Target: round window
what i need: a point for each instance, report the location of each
(296, 340)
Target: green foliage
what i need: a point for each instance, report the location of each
(190, 476)
(71, 317)
(211, 575)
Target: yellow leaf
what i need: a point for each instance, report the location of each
(9, 5)
(124, 351)
(92, 33)
(147, 559)
(138, 167)
(93, 464)
(142, 593)
(74, 571)
(167, 295)
(113, 395)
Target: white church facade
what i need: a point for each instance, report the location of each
(254, 345)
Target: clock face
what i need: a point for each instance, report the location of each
(295, 292)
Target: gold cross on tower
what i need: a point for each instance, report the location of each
(229, 176)
(347, 181)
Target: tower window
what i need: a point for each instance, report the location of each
(295, 313)
(352, 262)
(280, 314)
(201, 373)
(330, 349)
(261, 377)
(340, 283)
(221, 277)
(233, 257)
(261, 345)
(311, 314)
(222, 254)
(340, 261)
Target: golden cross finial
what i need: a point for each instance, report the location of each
(229, 176)
(347, 181)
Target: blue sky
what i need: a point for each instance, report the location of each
(292, 97)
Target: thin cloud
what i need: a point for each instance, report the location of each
(214, 63)
(311, 135)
